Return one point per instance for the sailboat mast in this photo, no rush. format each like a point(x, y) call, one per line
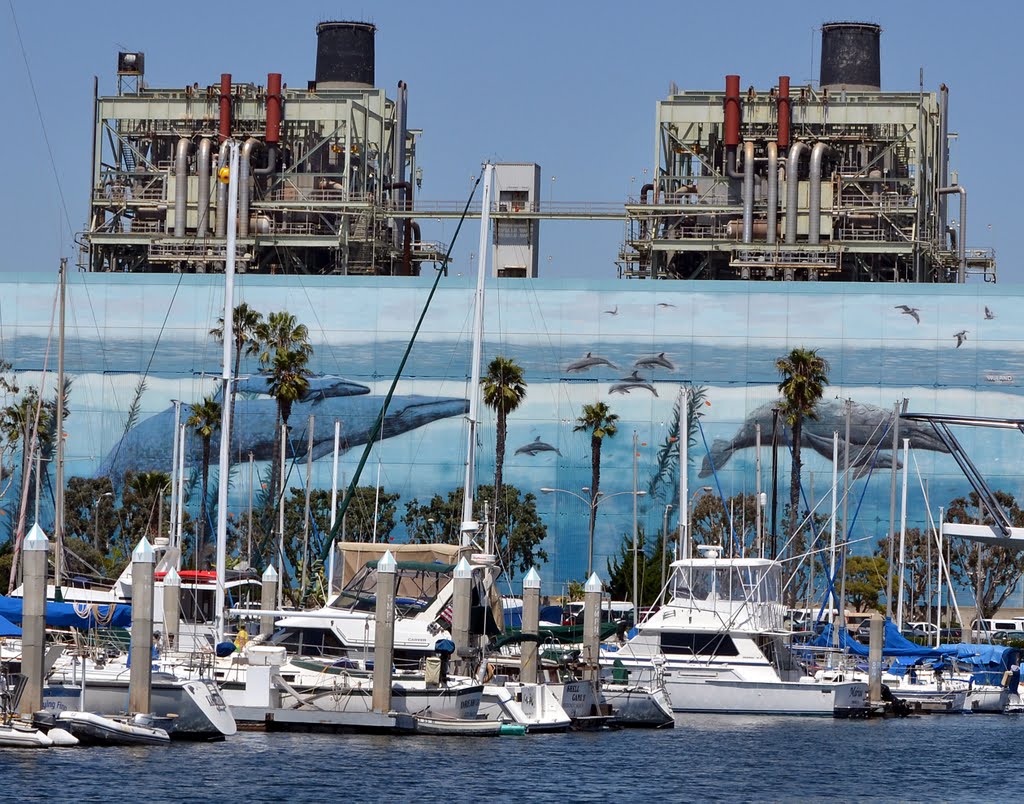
point(225, 397)
point(468, 525)
point(58, 500)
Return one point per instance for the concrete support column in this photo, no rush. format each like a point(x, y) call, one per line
point(268, 598)
point(463, 581)
point(140, 678)
point(530, 667)
point(33, 620)
point(384, 633)
point(876, 639)
point(592, 630)
point(172, 608)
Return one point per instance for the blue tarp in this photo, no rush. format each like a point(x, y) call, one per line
point(73, 615)
point(7, 628)
point(548, 614)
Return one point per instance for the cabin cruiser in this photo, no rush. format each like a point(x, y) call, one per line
point(720, 645)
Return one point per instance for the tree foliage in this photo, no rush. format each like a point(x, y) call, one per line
point(517, 540)
point(992, 569)
point(865, 582)
point(649, 570)
point(504, 390)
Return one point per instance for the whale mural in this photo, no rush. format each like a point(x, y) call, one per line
point(147, 446)
point(868, 436)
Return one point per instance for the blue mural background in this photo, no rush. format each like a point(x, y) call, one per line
point(725, 336)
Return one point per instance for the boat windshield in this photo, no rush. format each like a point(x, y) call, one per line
point(747, 592)
point(419, 582)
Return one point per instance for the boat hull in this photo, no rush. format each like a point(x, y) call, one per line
point(92, 729)
point(736, 696)
point(196, 706)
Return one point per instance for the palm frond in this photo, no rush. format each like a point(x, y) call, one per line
point(135, 409)
point(663, 483)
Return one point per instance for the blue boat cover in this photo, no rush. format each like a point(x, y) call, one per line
point(7, 628)
point(73, 615)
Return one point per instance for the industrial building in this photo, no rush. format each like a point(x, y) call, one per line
point(843, 181)
point(324, 170)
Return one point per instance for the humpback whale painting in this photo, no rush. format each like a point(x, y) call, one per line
point(146, 447)
point(868, 436)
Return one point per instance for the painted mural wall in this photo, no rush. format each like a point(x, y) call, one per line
point(632, 345)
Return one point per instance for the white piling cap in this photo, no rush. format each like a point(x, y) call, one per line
point(463, 570)
point(36, 539)
point(270, 574)
point(532, 579)
point(143, 552)
point(172, 578)
point(387, 563)
point(593, 584)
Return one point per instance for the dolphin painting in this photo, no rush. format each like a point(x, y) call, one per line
point(148, 445)
point(655, 361)
point(588, 361)
point(867, 424)
point(627, 384)
point(536, 446)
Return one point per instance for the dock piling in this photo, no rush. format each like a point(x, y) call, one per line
point(140, 678)
point(384, 633)
point(172, 608)
point(463, 580)
point(592, 630)
point(33, 620)
point(529, 671)
point(268, 600)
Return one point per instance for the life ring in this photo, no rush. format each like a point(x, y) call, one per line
point(488, 674)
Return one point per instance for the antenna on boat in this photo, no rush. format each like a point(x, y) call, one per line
point(469, 526)
point(226, 379)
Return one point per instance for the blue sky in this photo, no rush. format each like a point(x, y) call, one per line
point(569, 85)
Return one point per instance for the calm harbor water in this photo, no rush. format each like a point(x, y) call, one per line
point(967, 758)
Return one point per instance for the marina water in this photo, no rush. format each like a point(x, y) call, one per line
point(705, 758)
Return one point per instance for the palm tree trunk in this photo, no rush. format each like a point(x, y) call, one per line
point(595, 482)
point(499, 472)
point(201, 538)
point(794, 506)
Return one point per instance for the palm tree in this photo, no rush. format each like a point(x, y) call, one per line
point(599, 421)
point(246, 323)
point(804, 377)
point(284, 352)
point(504, 391)
point(205, 420)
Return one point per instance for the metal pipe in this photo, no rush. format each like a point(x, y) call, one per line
point(647, 188)
point(783, 112)
point(814, 223)
point(244, 188)
point(958, 188)
point(748, 192)
point(181, 186)
point(943, 154)
point(773, 193)
point(796, 150)
point(225, 106)
point(222, 192)
point(732, 111)
point(273, 108)
point(203, 172)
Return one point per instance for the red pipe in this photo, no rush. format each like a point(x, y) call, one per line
point(273, 108)
point(732, 110)
point(784, 113)
point(225, 106)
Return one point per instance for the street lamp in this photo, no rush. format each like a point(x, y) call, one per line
point(591, 501)
point(688, 547)
point(96, 518)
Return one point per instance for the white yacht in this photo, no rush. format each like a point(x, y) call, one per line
point(720, 645)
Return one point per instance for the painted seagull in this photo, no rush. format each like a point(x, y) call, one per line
point(536, 446)
point(960, 336)
point(613, 311)
point(911, 311)
point(665, 304)
point(989, 315)
point(588, 361)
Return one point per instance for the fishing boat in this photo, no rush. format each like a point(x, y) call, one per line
point(720, 645)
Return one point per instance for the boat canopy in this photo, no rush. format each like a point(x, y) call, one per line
point(73, 615)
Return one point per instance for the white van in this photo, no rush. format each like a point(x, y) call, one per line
point(612, 611)
point(989, 625)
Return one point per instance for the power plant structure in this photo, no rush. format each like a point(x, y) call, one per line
point(327, 173)
point(842, 181)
